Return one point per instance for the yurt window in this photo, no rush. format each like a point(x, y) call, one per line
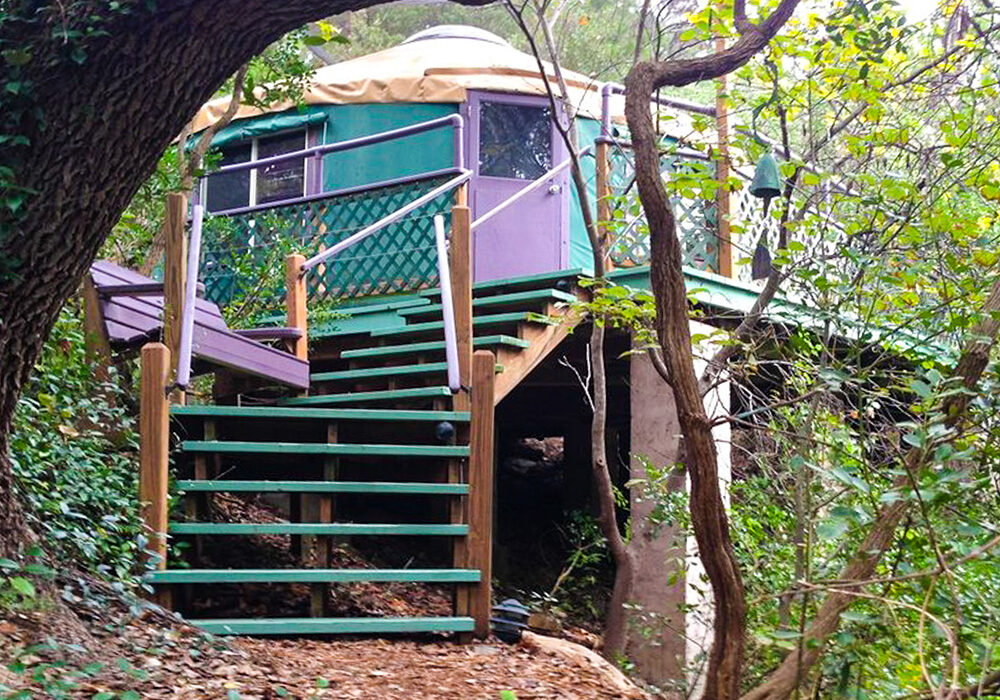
point(271, 183)
point(515, 140)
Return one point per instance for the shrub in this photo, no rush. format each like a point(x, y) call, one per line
point(75, 458)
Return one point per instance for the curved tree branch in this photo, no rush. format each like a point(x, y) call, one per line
point(708, 513)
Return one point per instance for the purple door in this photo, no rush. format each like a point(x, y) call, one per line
point(512, 143)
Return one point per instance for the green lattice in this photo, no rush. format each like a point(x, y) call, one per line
point(400, 258)
point(695, 218)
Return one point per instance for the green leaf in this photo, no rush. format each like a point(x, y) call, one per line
point(23, 586)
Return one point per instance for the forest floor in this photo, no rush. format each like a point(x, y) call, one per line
point(95, 644)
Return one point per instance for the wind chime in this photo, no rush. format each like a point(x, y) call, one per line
point(766, 183)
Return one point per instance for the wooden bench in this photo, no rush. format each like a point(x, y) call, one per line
point(131, 310)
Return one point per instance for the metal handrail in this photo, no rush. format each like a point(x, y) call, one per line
point(447, 307)
point(385, 221)
point(342, 192)
point(537, 184)
point(455, 120)
point(190, 299)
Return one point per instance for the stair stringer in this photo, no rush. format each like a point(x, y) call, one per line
point(518, 364)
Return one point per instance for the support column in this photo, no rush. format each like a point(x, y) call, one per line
point(154, 447)
point(481, 457)
point(723, 207)
point(603, 189)
point(174, 280)
point(460, 252)
point(296, 304)
point(674, 606)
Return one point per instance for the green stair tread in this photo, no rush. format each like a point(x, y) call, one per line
point(323, 448)
point(342, 625)
point(314, 575)
point(528, 297)
point(477, 322)
point(264, 486)
point(360, 396)
point(364, 414)
point(433, 346)
point(391, 371)
point(377, 305)
point(510, 283)
point(336, 529)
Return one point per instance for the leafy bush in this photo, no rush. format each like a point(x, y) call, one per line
point(75, 457)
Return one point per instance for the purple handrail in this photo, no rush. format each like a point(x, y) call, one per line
point(342, 192)
point(525, 190)
point(190, 294)
point(447, 307)
point(455, 120)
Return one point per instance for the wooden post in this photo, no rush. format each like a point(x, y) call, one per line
point(154, 447)
point(480, 540)
point(95, 338)
point(295, 303)
point(604, 202)
point(461, 288)
point(324, 543)
point(174, 279)
point(723, 210)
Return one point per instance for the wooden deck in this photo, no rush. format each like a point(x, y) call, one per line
point(133, 316)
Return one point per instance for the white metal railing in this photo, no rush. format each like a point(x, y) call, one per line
point(190, 298)
point(447, 307)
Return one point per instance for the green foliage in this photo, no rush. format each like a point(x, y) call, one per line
point(18, 580)
point(74, 454)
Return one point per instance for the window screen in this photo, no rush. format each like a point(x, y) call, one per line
point(515, 141)
point(230, 190)
point(282, 180)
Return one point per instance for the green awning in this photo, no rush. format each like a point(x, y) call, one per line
point(284, 121)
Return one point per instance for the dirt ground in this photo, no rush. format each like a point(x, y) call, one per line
point(96, 644)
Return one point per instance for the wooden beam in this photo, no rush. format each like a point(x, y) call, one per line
point(543, 339)
point(604, 201)
point(461, 288)
point(723, 205)
point(296, 304)
point(154, 448)
point(174, 279)
point(480, 538)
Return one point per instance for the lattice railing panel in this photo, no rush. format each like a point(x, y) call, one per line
point(695, 218)
point(243, 254)
point(748, 223)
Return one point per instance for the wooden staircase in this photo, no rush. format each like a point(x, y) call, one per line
point(378, 448)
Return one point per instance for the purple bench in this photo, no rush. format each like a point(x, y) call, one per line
point(131, 308)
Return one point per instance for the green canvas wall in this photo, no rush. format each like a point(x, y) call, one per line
point(411, 155)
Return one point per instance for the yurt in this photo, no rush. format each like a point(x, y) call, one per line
point(508, 140)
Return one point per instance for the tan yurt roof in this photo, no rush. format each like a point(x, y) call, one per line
point(440, 64)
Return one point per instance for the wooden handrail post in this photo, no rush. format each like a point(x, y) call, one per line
point(480, 541)
point(95, 338)
point(296, 304)
point(174, 279)
point(602, 153)
point(154, 447)
point(460, 252)
point(723, 206)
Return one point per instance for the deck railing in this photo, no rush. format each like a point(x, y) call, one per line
point(325, 226)
point(716, 232)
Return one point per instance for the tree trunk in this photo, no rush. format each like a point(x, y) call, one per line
point(95, 131)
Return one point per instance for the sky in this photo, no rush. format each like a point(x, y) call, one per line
point(917, 10)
